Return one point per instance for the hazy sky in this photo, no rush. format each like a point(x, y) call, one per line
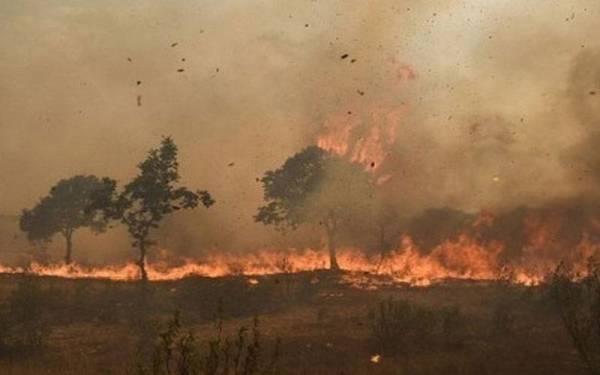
point(492, 119)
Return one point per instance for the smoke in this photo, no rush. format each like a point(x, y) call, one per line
point(499, 114)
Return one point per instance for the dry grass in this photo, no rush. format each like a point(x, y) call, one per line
point(324, 327)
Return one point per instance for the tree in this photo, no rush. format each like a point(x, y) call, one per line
point(149, 197)
point(314, 187)
point(63, 211)
point(383, 215)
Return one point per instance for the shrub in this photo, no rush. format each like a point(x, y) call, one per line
point(503, 318)
point(178, 353)
point(24, 329)
point(453, 326)
point(578, 304)
point(401, 326)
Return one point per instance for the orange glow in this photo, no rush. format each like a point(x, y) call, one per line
point(367, 141)
point(366, 137)
point(536, 242)
point(464, 257)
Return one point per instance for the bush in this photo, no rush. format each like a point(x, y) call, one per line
point(177, 353)
point(401, 326)
point(503, 318)
point(453, 326)
point(578, 304)
point(24, 329)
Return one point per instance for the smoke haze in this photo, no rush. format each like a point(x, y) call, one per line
point(501, 97)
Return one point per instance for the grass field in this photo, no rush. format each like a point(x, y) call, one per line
point(105, 327)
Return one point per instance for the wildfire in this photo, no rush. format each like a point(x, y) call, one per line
point(521, 246)
point(365, 142)
point(465, 257)
point(366, 137)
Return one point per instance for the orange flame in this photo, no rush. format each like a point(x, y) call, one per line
point(462, 258)
point(367, 140)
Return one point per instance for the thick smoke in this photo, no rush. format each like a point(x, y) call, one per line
point(501, 111)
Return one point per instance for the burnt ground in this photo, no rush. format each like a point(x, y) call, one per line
point(104, 327)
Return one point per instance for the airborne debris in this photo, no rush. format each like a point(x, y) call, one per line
point(174, 44)
point(352, 61)
point(361, 93)
point(180, 70)
point(345, 55)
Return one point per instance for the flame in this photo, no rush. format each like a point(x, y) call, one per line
point(367, 139)
point(367, 142)
point(336, 135)
point(545, 237)
point(372, 149)
point(465, 257)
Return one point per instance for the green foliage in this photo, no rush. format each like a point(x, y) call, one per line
point(312, 186)
point(64, 210)
point(578, 304)
point(178, 353)
point(287, 188)
point(399, 326)
point(149, 197)
point(315, 187)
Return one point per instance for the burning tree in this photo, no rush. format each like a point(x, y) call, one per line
point(314, 187)
point(149, 197)
point(64, 210)
point(383, 216)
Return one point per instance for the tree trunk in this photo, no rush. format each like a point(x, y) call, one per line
point(142, 261)
point(69, 239)
point(382, 246)
point(333, 264)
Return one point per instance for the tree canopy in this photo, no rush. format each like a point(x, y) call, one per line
point(64, 210)
point(149, 197)
point(315, 187)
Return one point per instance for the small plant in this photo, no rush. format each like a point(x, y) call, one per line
point(322, 314)
point(178, 353)
point(401, 326)
point(578, 304)
point(503, 319)
point(24, 330)
point(453, 326)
